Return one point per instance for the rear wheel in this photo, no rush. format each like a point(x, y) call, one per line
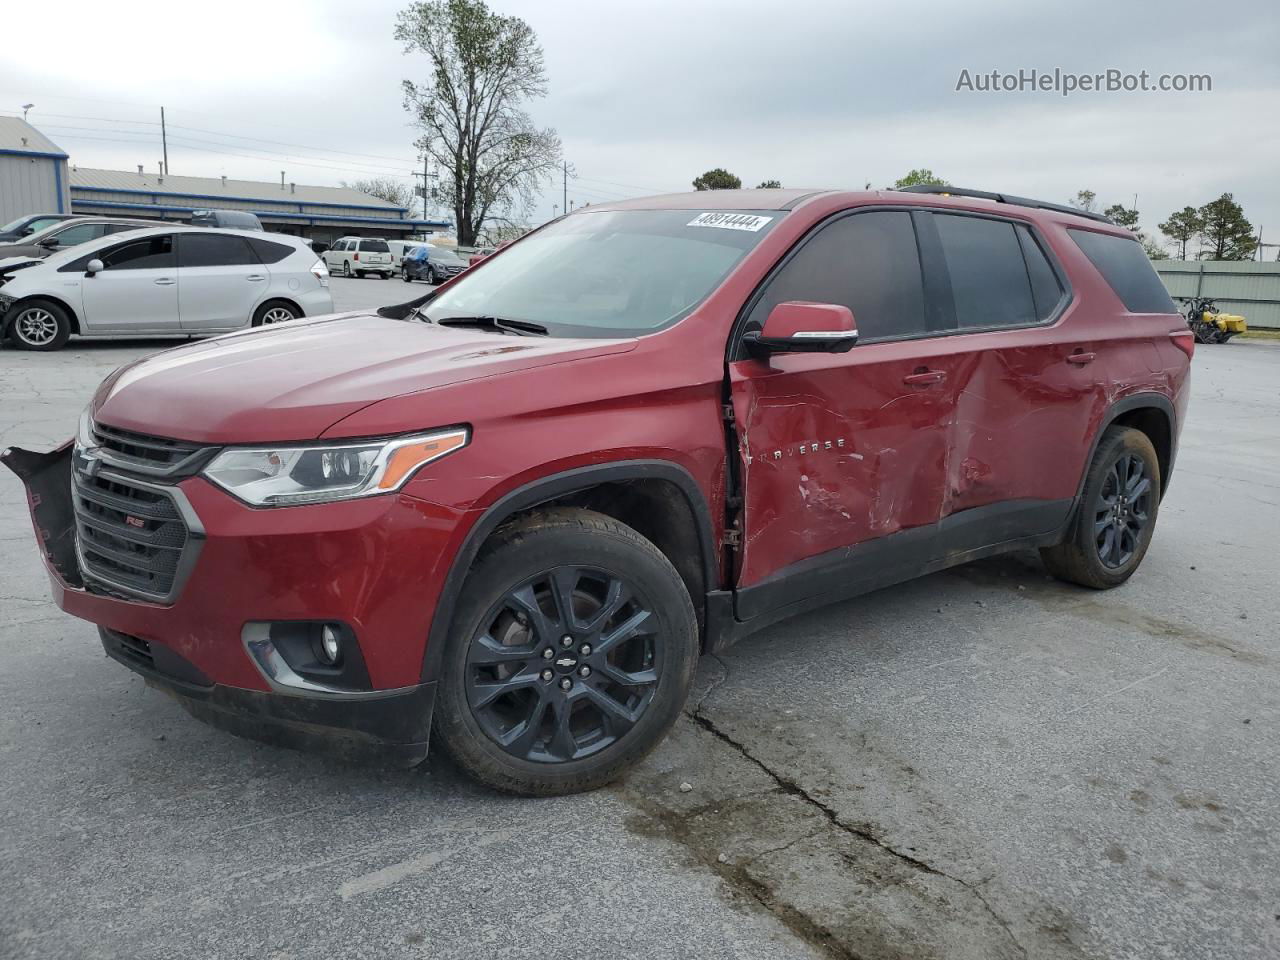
point(275, 311)
point(1116, 517)
point(40, 325)
point(573, 650)
point(346, 268)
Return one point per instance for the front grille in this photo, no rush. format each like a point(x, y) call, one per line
point(132, 538)
point(139, 449)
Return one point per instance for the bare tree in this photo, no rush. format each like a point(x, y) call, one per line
point(384, 188)
point(483, 66)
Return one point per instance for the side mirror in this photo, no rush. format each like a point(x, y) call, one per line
point(796, 327)
point(92, 267)
point(49, 243)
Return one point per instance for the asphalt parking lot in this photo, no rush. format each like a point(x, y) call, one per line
point(981, 764)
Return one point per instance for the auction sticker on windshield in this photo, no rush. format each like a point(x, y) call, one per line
point(729, 221)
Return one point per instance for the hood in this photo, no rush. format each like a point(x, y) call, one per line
point(292, 382)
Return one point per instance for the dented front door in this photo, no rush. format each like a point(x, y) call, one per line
point(837, 450)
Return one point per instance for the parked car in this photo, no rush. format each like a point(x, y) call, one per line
point(512, 513)
point(401, 249)
point(162, 280)
point(23, 226)
point(68, 233)
point(432, 264)
point(359, 257)
point(227, 219)
point(479, 254)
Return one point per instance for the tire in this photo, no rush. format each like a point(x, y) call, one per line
point(644, 627)
point(273, 311)
point(346, 269)
point(404, 275)
point(1116, 516)
point(40, 325)
point(431, 276)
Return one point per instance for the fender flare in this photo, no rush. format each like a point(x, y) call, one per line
point(543, 490)
point(1135, 401)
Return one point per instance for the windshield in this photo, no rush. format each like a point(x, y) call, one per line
point(13, 225)
point(608, 274)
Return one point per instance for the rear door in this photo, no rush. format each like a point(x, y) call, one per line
point(220, 281)
point(333, 256)
point(1026, 383)
point(136, 291)
point(374, 255)
point(843, 456)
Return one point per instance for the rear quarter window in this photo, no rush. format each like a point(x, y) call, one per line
point(269, 251)
point(1124, 265)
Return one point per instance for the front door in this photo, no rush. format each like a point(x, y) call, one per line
point(843, 456)
point(136, 291)
point(220, 281)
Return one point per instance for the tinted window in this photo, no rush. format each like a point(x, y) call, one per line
point(153, 253)
point(1124, 265)
point(39, 223)
point(989, 279)
point(79, 234)
point(374, 246)
point(270, 252)
point(213, 250)
point(1046, 288)
point(867, 262)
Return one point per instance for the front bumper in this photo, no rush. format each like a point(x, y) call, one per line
point(375, 564)
point(391, 728)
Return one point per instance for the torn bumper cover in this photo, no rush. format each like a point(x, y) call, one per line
point(386, 726)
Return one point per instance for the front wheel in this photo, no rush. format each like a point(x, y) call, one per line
point(1116, 516)
point(572, 653)
point(40, 325)
point(404, 275)
point(346, 268)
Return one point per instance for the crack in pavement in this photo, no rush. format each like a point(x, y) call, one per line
point(792, 788)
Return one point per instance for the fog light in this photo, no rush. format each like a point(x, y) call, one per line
point(330, 645)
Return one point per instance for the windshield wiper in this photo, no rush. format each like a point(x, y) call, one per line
point(522, 328)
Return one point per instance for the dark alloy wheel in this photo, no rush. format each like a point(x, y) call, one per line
point(1112, 527)
point(1122, 509)
point(571, 654)
point(564, 665)
point(431, 276)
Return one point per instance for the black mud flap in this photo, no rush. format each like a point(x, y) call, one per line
point(47, 477)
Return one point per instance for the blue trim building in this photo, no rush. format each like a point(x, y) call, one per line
point(33, 172)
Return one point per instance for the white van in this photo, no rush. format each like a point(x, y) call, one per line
point(401, 249)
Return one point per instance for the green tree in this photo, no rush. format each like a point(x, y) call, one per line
point(1223, 227)
point(1085, 200)
point(1182, 226)
point(917, 177)
point(1153, 249)
point(769, 185)
point(717, 179)
point(384, 188)
point(1121, 216)
point(482, 66)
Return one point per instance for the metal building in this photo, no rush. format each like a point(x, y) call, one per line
point(318, 213)
point(1238, 286)
point(33, 172)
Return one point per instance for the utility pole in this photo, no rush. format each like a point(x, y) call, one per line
point(426, 182)
point(567, 171)
point(164, 140)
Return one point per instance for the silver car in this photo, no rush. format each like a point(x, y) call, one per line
point(161, 281)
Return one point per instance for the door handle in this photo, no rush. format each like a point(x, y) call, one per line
point(165, 282)
point(255, 276)
point(922, 378)
point(1081, 357)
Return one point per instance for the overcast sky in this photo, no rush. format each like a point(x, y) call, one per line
point(646, 95)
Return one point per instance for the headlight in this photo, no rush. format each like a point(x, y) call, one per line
point(280, 476)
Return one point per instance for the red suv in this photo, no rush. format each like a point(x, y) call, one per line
point(513, 513)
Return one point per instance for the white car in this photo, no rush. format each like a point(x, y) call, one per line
point(162, 281)
point(359, 256)
point(401, 249)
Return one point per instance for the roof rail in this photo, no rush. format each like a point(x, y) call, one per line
point(1005, 198)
